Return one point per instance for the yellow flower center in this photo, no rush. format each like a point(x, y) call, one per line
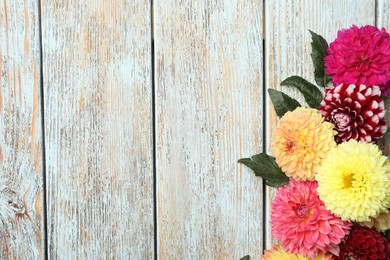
point(353, 180)
point(347, 180)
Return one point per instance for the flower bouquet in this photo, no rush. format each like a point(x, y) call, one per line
point(333, 181)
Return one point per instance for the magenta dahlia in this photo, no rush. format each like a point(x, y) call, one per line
point(301, 222)
point(363, 243)
point(360, 56)
point(357, 112)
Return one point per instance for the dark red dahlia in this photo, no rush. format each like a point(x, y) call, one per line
point(357, 112)
point(364, 243)
point(360, 56)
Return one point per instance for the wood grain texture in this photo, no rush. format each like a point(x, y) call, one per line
point(383, 20)
point(98, 129)
point(209, 114)
point(20, 132)
point(287, 48)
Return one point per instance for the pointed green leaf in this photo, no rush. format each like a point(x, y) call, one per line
point(247, 257)
point(266, 167)
point(318, 53)
point(282, 103)
point(311, 93)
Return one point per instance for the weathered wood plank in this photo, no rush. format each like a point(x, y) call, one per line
point(20, 132)
point(98, 128)
point(209, 114)
point(288, 46)
point(383, 20)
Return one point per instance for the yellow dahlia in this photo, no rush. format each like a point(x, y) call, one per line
point(277, 253)
point(302, 139)
point(354, 181)
point(380, 223)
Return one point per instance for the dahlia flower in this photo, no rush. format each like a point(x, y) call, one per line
point(360, 56)
point(277, 253)
point(364, 243)
point(380, 223)
point(302, 224)
point(302, 139)
point(354, 181)
point(356, 112)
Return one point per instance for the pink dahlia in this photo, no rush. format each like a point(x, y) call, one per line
point(360, 56)
point(356, 112)
point(364, 243)
point(301, 222)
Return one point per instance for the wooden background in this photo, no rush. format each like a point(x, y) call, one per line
point(121, 121)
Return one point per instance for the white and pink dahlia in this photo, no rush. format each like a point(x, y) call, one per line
point(301, 222)
point(357, 112)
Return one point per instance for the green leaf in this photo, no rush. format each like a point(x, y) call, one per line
point(247, 257)
point(312, 94)
point(318, 53)
point(266, 167)
point(282, 103)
